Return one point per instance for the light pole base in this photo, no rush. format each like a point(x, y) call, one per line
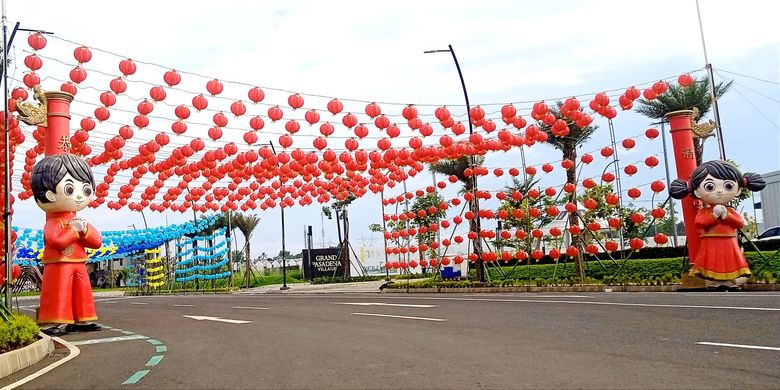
point(284, 288)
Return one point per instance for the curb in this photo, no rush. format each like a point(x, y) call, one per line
point(72, 353)
point(19, 359)
point(571, 289)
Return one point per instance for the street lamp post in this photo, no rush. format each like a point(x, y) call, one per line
point(477, 243)
point(284, 255)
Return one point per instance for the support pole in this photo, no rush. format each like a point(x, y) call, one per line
point(668, 184)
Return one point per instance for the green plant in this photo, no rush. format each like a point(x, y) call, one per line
point(19, 332)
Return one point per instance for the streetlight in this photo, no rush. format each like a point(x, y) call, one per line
point(477, 243)
point(284, 255)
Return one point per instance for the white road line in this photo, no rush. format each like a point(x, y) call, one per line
point(403, 317)
point(73, 351)
point(249, 308)
point(110, 339)
point(217, 319)
point(732, 295)
point(138, 303)
point(109, 302)
point(738, 346)
point(384, 304)
point(605, 303)
point(179, 305)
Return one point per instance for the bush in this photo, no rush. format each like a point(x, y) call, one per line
point(19, 332)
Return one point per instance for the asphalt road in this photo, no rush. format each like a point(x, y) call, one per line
point(601, 340)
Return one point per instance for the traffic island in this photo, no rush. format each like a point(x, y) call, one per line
point(19, 359)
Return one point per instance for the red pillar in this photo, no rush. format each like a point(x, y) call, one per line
point(57, 133)
point(685, 162)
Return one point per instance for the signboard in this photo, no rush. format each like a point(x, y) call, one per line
point(322, 262)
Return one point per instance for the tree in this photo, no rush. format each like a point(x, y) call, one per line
point(246, 224)
point(522, 219)
point(696, 97)
point(457, 167)
point(425, 204)
point(567, 143)
point(604, 211)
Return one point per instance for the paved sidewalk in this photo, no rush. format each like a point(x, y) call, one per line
point(308, 288)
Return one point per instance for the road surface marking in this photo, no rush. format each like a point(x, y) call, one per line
point(109, 340)
point(73, 351)
point(138, 303)
point(136, 377)
point(109, 302)
point(604, 303)
point(739, 346)
point(217, 319)
point(249, 307)
point(383, 304)
point(731, 294)
point(160, 348)
point(155, 360)
point(403, 317)
point(178, 305)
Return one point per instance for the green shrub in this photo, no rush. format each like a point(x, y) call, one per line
point(17, 333)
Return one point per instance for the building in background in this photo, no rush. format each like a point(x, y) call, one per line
point(770, 201)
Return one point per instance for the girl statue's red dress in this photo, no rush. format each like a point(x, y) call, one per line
point(719, 256)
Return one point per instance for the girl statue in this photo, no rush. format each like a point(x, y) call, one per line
point(716, 183)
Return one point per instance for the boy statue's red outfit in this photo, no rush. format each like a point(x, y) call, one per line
point(66, 294)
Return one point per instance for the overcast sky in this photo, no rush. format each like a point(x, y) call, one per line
point(513, 51)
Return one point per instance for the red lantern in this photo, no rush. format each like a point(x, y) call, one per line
point(658, 213)
point(607, 151)
point(637, 218)
point(572, 251)
point(250, 137)
point(256, 95)
point(508, 111)
point(215, 133)
point(127, 67)
point(141, 121)
point(660, 87)
point(649, 94)
point(31, 80)
point(382, 122)
point(200, 102)
point(275, 113)
point(592, 249)
point(657, 186)
point(349, 120)
point(172, 77)
point(634, 193)
point(295, 101)
point(102, 114)
point(588, 183)
point(636, 243)
point(157, 93)
point(33, 62)
point(630, 169)
point(238, 108)
point(78, 74)
point(285, 140)
point(547, 168)
point(611, 246)
point(118, 85)
point(567, 164)
point(608, 177)
point(108, 99)
point(685, 80)
point(373, 110)
point(36, 41)
point(590, 204)
point(661, 239)
point(652, 133)
point(651, 161)
point(214, 87)
point(611, 199)
point(628, 143)
point(586, 158)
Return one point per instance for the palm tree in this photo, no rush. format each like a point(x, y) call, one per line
point(568, 146)
point(457, 167)
point(246, 224)
point(696, 97)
